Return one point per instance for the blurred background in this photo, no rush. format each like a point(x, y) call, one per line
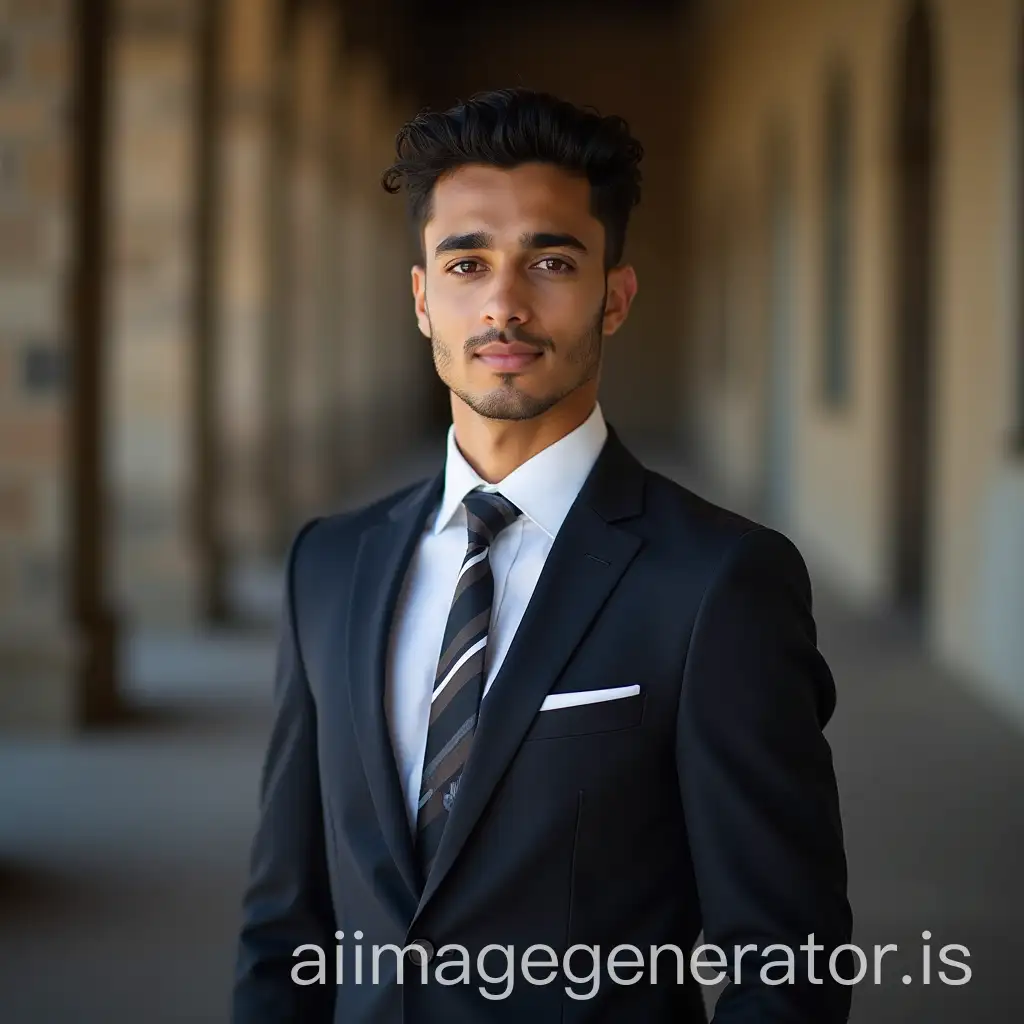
point(206, 336)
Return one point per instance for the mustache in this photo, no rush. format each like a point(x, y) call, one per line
point(509, 334)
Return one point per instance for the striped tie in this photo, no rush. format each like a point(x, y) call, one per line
point(459, 681)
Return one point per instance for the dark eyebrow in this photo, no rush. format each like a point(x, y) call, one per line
point(460, 243)
point(551, 240)
point(531, 240)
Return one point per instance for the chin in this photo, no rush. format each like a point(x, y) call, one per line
point(508, 404)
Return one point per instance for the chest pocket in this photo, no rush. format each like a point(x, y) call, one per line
point(581, 719)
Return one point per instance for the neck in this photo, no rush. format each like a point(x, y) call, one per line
point(494, 448)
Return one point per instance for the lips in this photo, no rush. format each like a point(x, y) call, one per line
point(510, 348)
point(508, 356)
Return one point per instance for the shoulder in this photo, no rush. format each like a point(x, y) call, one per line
point(751, 601)
point(677, 516)
point(327, 543)
point(721, 542)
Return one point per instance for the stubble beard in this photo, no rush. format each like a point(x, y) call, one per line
point(507, 401)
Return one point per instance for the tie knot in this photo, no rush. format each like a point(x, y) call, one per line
point(488, 513)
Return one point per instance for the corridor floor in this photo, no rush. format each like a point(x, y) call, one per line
point(123, 853)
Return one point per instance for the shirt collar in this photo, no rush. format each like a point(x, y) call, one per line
point(543, 488)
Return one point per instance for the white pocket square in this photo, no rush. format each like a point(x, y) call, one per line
point(553, 701)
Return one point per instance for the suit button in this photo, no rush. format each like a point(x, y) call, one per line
point(421, 951)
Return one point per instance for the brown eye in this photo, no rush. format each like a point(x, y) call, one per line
point(555, 265)
point(463, 268)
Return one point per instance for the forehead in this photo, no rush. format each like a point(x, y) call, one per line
point(531, 196)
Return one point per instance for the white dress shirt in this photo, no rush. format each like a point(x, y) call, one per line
point(543, 488)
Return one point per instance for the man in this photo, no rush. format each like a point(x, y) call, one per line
point(547, 702)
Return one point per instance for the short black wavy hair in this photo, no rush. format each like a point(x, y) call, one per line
point(509, 127)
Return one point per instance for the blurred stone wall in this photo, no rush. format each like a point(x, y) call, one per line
point(35, 340)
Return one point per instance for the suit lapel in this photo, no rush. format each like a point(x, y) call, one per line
point(384, 554)
point(587, 560)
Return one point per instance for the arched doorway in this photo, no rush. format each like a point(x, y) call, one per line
point(913, 342)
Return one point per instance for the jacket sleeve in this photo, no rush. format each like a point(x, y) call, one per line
point(759, 790)
point(287, 901)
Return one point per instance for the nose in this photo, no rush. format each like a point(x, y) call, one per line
point(505, 304)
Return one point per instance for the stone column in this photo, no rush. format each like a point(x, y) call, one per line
point(385, 361)
point(404, 360)
point(57, 636)
point(274, 476)
point(250, 42)
point(310, 380)
point(154, 371)
point(207, 441)
point(357, 284)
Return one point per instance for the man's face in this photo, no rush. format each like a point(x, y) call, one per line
point(513, 293)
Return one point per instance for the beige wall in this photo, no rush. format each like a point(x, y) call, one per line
point(767, 63)
point(762, 60)
point(980, 490)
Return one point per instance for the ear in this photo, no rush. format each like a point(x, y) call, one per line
point(419, 294)
point(622, 286)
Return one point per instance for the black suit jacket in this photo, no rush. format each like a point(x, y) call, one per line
point(708, 801)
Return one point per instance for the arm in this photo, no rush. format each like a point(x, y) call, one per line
point(287, 901)
point(758, 787)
